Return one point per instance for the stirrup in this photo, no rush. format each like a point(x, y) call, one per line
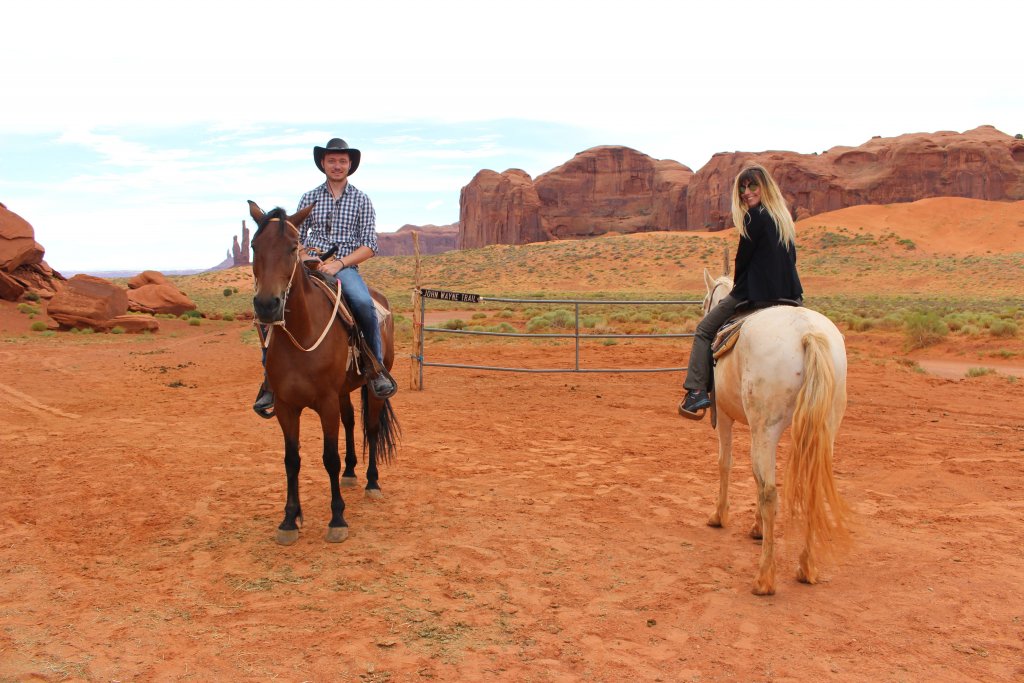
point(260, 407)
point(695, 415)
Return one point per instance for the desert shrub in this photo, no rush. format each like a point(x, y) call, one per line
point(970, 330)
point(506, 313)
point(479, 316)
point(38, 326)
point(924, 329)
point(979, 372)
point(117, 330)
point(191, 314)
point(228, 291)
point(454, 324)
point(537, 323)
point(892, 321)
point(1003, 328)
point(28, 309)
point(590, 321)
point(855, 323)
point(229, 317)
point(194, 322)
point(31, 296)
point(87, 330)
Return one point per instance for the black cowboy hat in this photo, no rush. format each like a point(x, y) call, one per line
point(337, 145)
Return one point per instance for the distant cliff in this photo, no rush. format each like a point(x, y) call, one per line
point(618, 189)
point(434, 239)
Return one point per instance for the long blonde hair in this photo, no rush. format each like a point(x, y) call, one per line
point(771, 199)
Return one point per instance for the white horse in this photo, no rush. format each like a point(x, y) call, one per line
point(788, 367)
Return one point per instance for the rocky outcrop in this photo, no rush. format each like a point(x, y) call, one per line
point(604, 189)
point(152, 292)
point(87, 301)
point(434, 239)
point(22, 268)
point(619, 189)
point(613, 189)
point(500, 208)
point(240, 254)
point(983, 163)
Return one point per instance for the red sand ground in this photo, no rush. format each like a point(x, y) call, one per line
point(535, 527)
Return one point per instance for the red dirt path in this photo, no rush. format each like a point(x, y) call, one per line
point(534, 527)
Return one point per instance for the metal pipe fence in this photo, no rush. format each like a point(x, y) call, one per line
point(422, 362)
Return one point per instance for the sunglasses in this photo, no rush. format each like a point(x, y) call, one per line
point(747, 186)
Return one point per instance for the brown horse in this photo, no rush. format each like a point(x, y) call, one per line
point(310, 366)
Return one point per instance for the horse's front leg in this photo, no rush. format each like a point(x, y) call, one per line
point(348, 420)
point(337, 530)
point(288, 418)
point(763, 443)
point(720, 517)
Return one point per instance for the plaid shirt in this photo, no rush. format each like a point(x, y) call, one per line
point(350, 222)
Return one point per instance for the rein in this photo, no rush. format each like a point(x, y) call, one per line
point(284, 307)
point(711, 296)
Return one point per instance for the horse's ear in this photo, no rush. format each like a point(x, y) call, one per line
point(300, 215)
point(709, 281)
point(256, 212)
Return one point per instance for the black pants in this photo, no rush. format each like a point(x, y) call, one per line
point(698, 374)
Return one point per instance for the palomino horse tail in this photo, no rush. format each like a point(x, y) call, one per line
point(810, 493)
point(388, 430)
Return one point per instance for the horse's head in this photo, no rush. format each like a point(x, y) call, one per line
point(275, 255)
point(717, 289)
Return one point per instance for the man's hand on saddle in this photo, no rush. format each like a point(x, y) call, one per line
point(330, 267)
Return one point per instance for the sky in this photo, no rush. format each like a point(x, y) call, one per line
point(132, 133)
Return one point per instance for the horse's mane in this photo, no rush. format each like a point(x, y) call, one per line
point(277, 213)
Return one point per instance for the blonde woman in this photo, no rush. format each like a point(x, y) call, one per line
point(765, 272)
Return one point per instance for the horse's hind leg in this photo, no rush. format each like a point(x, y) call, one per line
point(720, 517)
point(348, 421)
point(288, 530)
point(763, 442)
point(371, 428)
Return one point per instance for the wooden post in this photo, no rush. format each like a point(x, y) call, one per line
point(417, 320)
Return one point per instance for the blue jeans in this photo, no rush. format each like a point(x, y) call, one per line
point(358, 298)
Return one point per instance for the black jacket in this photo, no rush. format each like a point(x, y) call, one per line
point(765, 269)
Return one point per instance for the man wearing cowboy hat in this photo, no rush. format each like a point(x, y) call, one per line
point(343, 222)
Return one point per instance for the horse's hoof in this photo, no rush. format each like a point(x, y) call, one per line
point(374, 494)
point(348, 482)
point(336, 534)
point(807, 577)
point(762, 589)
point(287, 536)
point(715, 521)
point(755, 533)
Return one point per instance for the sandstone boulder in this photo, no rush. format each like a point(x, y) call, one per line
point(148, 277)
point(159, 298)
point(18, 245)
point(87, 301)
point(134, 324)
point(10, 288)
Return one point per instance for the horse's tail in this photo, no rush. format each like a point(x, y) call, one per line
point(810, 493)
point(388, 430)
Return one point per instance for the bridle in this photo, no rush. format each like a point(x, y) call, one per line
point(284, 305)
